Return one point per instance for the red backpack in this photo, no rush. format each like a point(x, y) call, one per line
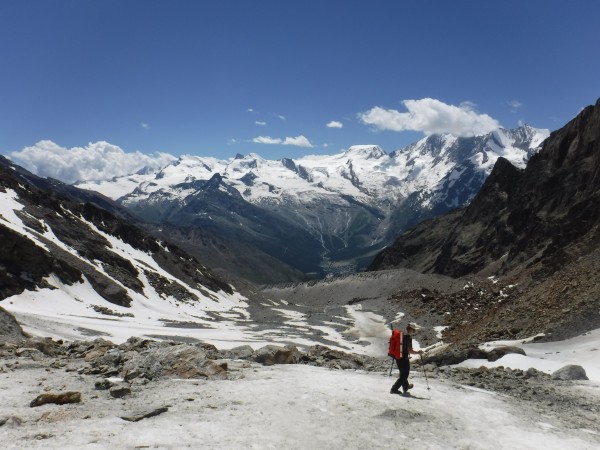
point(395, 349)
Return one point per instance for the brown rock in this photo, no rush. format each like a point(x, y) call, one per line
point(59, 399)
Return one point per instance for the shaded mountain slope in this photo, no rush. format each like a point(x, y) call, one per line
point(51, 240)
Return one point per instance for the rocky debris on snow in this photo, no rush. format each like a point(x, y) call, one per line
point(59, 399)
point(322, 356)
point(570, 372)
point(548, 394)
point(455, 354)
point(180, 361)
point(142, 361)
point(109, 312)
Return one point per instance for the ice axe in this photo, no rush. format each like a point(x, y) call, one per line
point(424, 371)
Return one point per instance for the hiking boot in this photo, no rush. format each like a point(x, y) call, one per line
point(410, 386)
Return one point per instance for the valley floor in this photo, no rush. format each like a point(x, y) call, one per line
point(276, 407)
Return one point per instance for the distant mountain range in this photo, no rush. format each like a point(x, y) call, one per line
point(319, 214)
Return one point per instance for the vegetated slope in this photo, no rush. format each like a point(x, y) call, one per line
point(538, 227)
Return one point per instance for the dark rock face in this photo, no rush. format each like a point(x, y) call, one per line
point(519, 217)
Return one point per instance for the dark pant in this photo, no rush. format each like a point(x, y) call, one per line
point(404, 367)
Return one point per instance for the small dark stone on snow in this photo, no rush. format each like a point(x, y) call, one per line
point(58, 399)
point(144, 415)
point(120, 391)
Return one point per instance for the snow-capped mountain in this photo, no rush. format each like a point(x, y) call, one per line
point(321, 213)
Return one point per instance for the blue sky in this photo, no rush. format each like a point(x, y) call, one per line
point(288, 78)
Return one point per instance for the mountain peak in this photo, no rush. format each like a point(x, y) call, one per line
point(365, 151)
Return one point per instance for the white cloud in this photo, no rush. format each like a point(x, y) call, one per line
point(145, 126)
point(250, 110)
point(281, 117)
point(97, 161)
point(515, 106)
point(260, 123)
point(335, 124)
point(266, 140)
point(431, 116)
point(298, 141)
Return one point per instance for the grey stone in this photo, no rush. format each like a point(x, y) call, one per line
point(570, 372)
point(119, 391)
point(135, 417)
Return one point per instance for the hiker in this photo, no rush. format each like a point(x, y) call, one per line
point(403, 362)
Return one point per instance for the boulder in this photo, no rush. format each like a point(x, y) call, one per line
point(570, 372)
point(271, 354)
point(175, 361)
point(322, 356)
point(119, 391)
point(241, 352)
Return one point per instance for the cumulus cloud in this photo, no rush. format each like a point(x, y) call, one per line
point(335, 124)
point(95, 162)
point(431, 116)
point(298, 141)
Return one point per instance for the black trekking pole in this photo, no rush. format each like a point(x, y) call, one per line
point(424, 371)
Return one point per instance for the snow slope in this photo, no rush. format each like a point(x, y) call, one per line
point(279, 407)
